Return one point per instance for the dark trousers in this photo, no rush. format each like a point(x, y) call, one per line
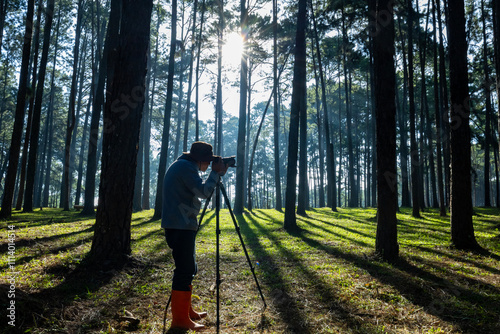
point(182, 243)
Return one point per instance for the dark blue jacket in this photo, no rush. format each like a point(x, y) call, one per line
point(182, 190)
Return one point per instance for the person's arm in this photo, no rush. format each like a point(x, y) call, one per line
point(200, 188)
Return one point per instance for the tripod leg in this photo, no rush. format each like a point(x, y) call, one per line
point(207, 201)
point(217, 259)
point(237, 228)
point(165, 313)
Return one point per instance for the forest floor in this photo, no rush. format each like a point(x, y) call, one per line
point(324, 278)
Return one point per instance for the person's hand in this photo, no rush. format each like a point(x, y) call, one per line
point(219, 167)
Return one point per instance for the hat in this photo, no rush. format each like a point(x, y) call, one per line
point(201, 151)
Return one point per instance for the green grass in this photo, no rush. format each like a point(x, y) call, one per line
point(323, 278)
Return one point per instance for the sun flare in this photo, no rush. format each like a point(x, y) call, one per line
point(232, 49)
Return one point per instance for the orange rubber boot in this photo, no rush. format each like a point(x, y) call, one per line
point(181, 301)
point(192, 313)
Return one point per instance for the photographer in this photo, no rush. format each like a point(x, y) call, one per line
point(182, 190)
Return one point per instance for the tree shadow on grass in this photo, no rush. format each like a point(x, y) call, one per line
point(452, 256)
point(69, 306)
point(283, 294)
point(39, 242)
point(446, 299)
point(44, 217)
point(286, 306)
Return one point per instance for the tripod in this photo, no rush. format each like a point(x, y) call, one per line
point(221, 189)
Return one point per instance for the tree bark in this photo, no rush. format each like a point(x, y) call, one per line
point(298, 106)
point(330, 159)
point(276, 114)
point(50, 119)
point(162, 168)
point(190, 78)
point(426, 121)
point(352, 190)
point(198, 57)
point(106, 68)
point(462, 229)
point(496, 28)
point(437, 111)
point(74, 134)
point(321, 150)
point(414, 154)
point(24, 158)
point(240, 150)
point(71, 121)
point(218, 102)
point(386, 243)
point(444, 108)
point(488, 111)
point(303, 195)
point(122, 114)
point(35, 130)
point(403, 129)
point(15, 146)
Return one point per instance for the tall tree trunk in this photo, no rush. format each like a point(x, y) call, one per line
point(340, 176)
point(254, 147)
point(444, 108)
point(462, 229)
point(106, 69)
point(489, 111)
point(50, 119)
point(71, 112)
point(426, 122)
point(496, 29)
point(81, 73)
point(319, 123)
point(146, 129)
point(401, 114)
point(168, 113)
point(111, 242)
point(303, 198)
point(240, 150)
point(180, 94)
point(352, 191)
point(373, 114)
point(24, 158)
point(386, 242)
point(147, 119)
point(190, 78)
point(437, 111)
point(497, 177)
point(96, 52)
point(414, 154)
point(35, 130)
point(137, 198)
point(17, 131)
point(198, 57)
point(298, 107)
point(82, 154)
point(249, 128)
point(218, 102)
point(276, 114)
point(330, 159)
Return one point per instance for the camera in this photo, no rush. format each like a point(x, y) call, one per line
point(229, 161)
